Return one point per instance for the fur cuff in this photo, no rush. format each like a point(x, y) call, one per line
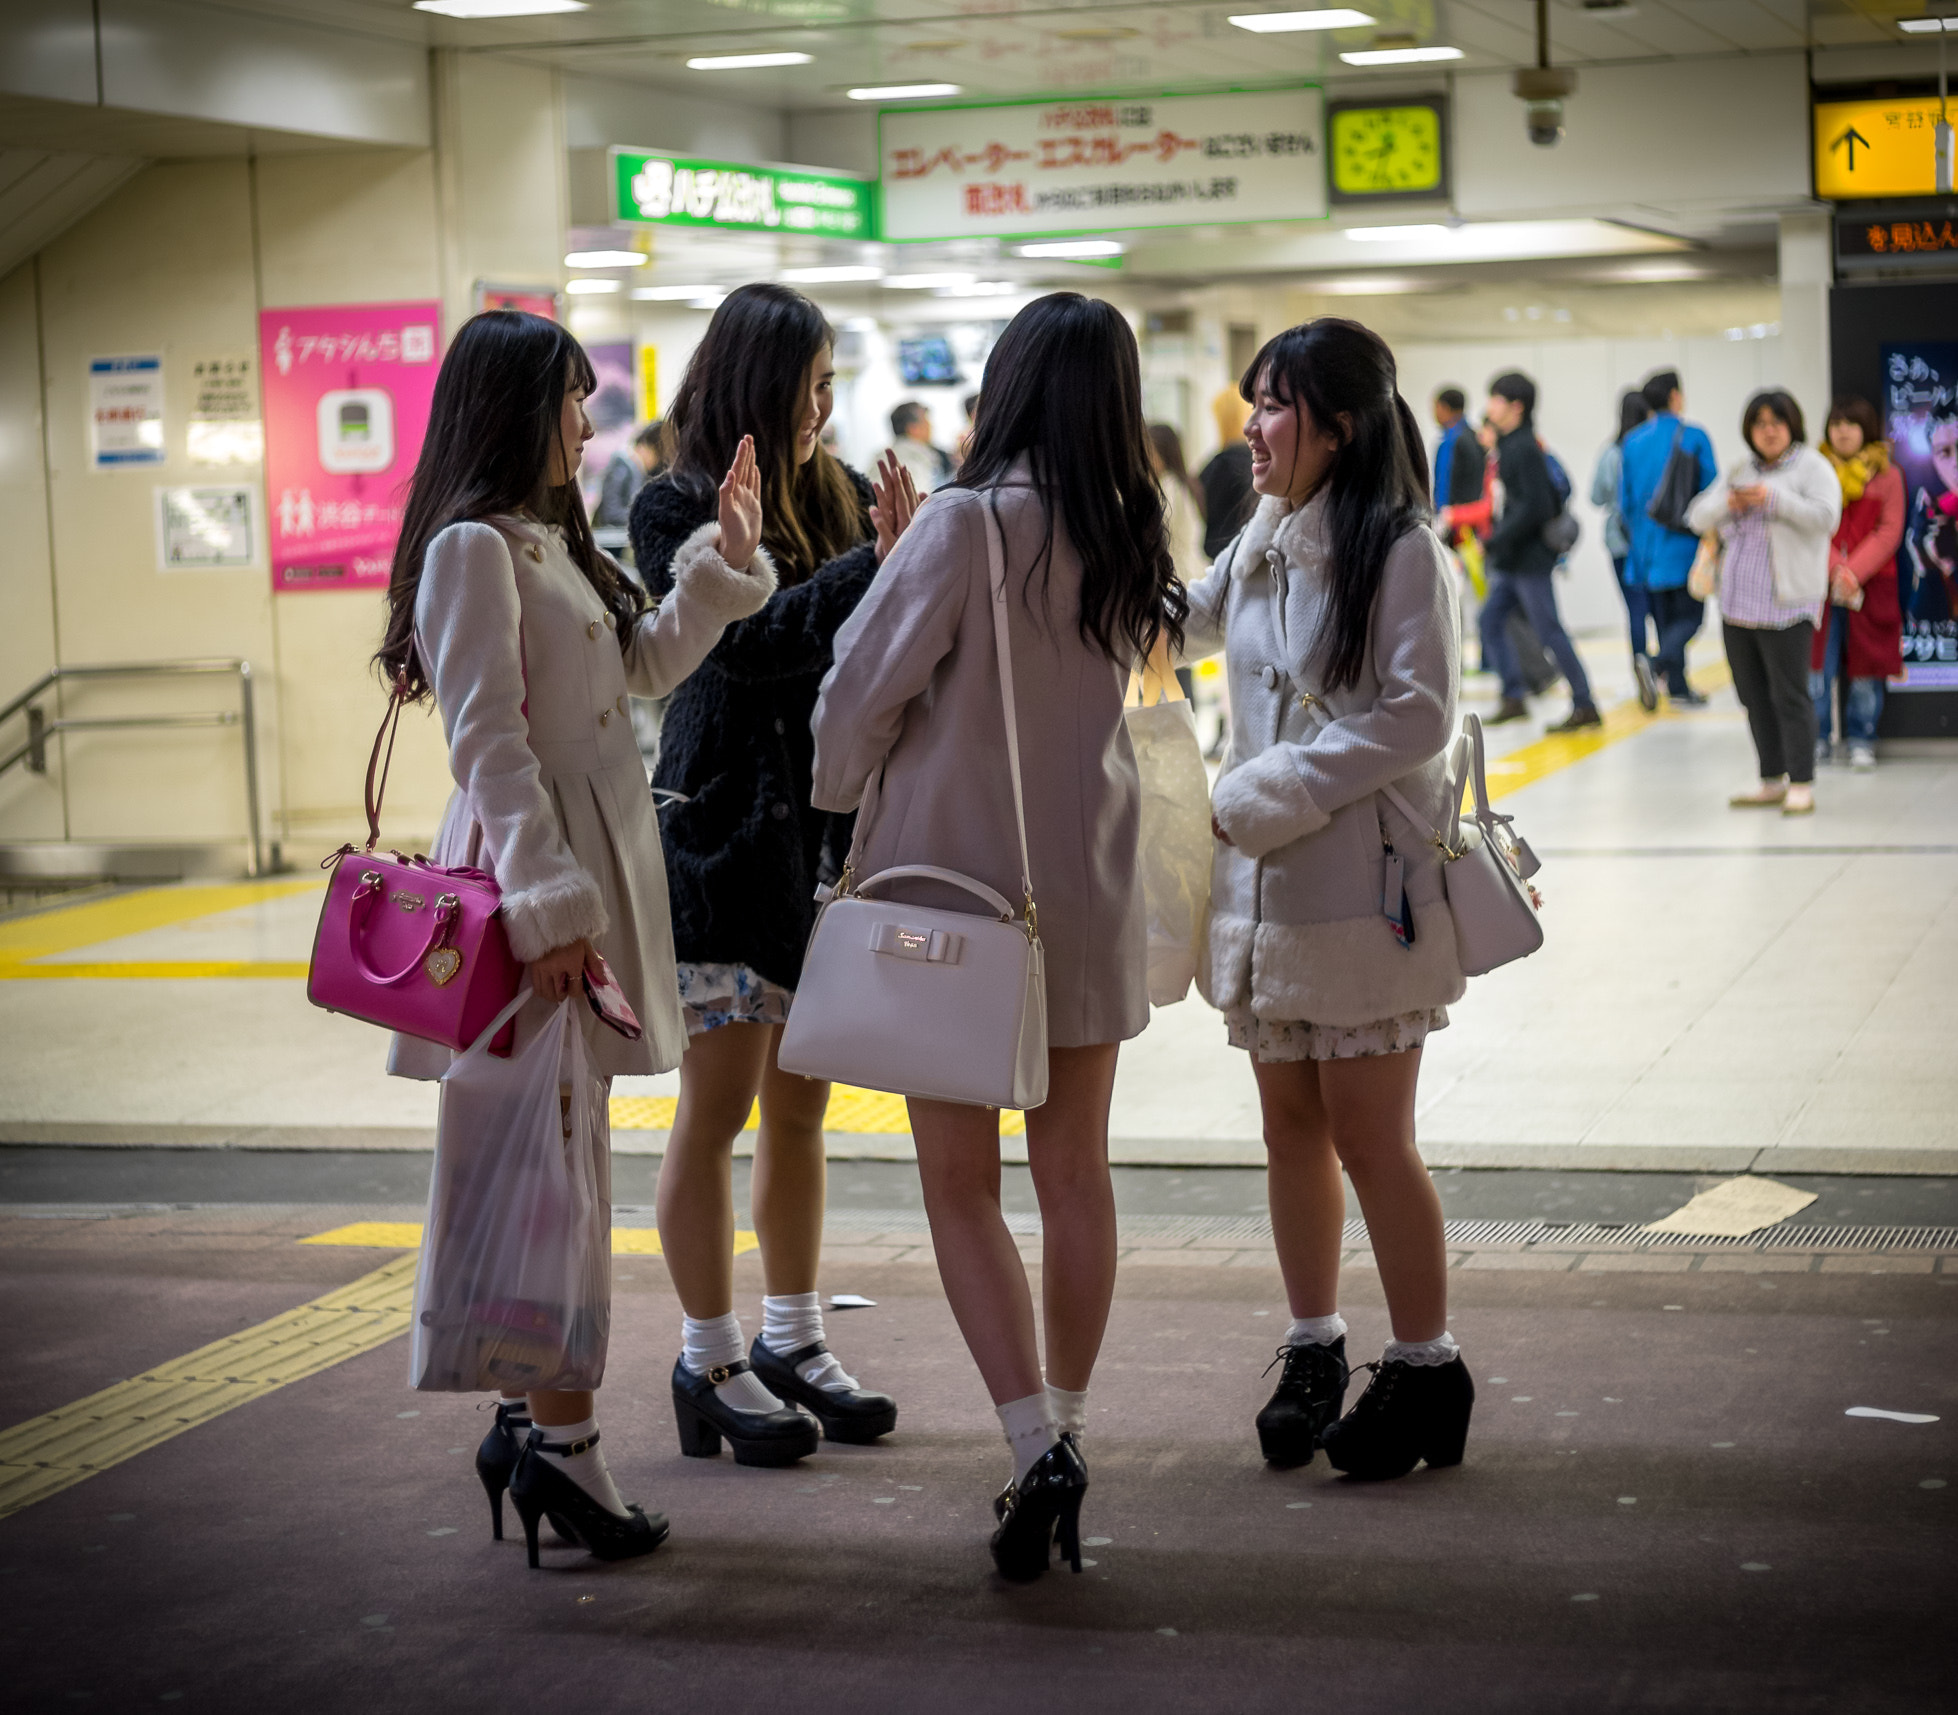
point(553, 914)
point(1263, 804)
point(708, 582)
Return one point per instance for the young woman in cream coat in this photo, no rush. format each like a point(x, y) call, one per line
point(530, 639)
point(1331, 949)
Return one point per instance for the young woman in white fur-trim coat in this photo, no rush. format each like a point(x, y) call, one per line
point(529, 639)
point(1331, 951)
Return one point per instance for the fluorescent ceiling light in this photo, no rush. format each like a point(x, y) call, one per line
point(1326, 18)
point(606, 259)
point(1079, 249)
point(498, 8)
point(670, 294)
point(578, 288)
point(1928, 26)
point(834, 276)
point(1367, 286)
point(1400, 56)
point(928, 282)
point(1393, 234)
point(903, 91)
point(746, 62)
point(979, 289)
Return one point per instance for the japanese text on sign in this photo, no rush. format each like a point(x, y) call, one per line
point(667, 190)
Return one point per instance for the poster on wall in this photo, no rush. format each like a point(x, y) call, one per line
point(206, 528)
point(614, 416)
point(125, 411)
point(347, 391)
point(1101, 166)
point(1921, 419)
point(225, 427)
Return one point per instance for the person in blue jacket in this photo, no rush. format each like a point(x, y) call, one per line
point(1661, 557)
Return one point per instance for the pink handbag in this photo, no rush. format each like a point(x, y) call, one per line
point(407, 944)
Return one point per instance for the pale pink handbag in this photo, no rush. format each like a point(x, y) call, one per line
point(407, 944)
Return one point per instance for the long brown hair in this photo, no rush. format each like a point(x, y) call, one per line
point(499, 399)
point(746, 377)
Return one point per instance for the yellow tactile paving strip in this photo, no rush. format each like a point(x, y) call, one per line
point(27, 940)
point(407, 1235)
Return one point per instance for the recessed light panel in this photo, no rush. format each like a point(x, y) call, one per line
point(746, 62)
point(1284, 23)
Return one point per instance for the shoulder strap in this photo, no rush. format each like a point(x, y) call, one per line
point(376, 789)
point(1315, 709)
point(996, 565)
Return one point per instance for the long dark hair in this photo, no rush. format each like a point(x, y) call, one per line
point(1342, 376)
point(746, 378)
point(1063, 387)
point(1632, 411)
point(499, 399)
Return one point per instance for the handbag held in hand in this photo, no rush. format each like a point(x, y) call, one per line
point(408, 944)
point(1175, 849)
point(945, 1005)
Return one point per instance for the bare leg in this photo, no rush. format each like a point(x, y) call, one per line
point(1308, 1198)
point(719, 1076)
point(1067, 1150)
point(788, 1188)
point(548, 1410)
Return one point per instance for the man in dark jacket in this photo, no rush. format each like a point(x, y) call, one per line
point(1521, 561)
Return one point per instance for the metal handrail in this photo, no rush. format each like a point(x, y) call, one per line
point(40, 728)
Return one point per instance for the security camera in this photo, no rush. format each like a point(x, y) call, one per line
point(1542, 90)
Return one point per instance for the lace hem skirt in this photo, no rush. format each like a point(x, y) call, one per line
point(1280, 1039)
point(714, 995)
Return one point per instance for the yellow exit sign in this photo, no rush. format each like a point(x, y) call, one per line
point(1876, 148)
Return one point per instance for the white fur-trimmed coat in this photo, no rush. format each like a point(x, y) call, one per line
point(551, 795)
point(1296, 930)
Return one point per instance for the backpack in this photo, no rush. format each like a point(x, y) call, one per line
point(1561, 533)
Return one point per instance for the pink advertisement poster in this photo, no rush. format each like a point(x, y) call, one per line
point(347, 391)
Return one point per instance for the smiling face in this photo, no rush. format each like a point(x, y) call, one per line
point(573, 430)
point(1290, 453)
point(818, 401)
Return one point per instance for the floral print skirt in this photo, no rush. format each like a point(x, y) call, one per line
point(714, 995)
point(1277, 1039)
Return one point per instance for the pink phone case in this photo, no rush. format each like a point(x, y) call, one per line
point(609, 1002)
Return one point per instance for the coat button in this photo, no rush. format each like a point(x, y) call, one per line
point(535, 552)
point(779, 811)
point(1272, 556)
point(620, 705)
point(1270, 677)
point(604, 715)
point(611, 620)
point(592, 629)
point(781, 725)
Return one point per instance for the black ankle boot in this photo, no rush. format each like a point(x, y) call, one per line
point(497, 1457)
point(538, 1487)
point(1306, 1404)
point(1409, 1413)
point(1043, 1506)
point(758, 1437)
point(850, 1414)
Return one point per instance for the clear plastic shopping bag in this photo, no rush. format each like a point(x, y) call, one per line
point(514, 1291)
point(1176, 843)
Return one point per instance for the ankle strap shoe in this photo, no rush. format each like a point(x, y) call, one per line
point(846, 1414)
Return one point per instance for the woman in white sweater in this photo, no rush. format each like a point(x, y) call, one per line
point(529, 638)
point(1331, 948)
point(1775, 512)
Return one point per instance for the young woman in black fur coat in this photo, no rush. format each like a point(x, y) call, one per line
point(744, 854)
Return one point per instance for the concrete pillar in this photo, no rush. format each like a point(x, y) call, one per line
point(1807, 269)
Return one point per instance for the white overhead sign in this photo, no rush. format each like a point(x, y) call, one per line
point(1102, 166)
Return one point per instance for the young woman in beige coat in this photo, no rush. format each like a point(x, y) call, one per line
point(530, 639)
point(1331, 949)
point(1059, 460)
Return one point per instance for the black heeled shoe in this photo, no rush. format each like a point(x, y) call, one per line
point(497, 1457)
point(854, 1414)
point(538, 1487)
point(1306, 1403)
point(1043, 1508)
point(757, 1437)
point(1410, 1413)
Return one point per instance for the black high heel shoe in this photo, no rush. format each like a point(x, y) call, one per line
point(1306, 1403)
point(538, 1487)
point(757, 1437)
point(1040, 1509)
point(1408, 1414)
point(852, 1414)
point(497, 1457)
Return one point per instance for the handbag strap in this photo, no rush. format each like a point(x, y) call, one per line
point(376, 790)
point(1154, 680)
point(1315, 709)
point(996, 566)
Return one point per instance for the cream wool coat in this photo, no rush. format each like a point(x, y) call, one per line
point(1296, 930)
point(915, 691)
point(551, 795)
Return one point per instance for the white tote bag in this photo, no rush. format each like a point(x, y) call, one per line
point(949, 1005)
point(1176, 849)
point(514, 1290)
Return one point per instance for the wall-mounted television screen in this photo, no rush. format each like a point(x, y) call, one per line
point(927, 362)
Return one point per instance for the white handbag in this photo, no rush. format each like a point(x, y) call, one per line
point(1175, 847)
point(948, 1005)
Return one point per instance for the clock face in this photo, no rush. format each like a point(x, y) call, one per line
point(1386, 151)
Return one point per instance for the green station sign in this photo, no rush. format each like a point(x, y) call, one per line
point(672, 190)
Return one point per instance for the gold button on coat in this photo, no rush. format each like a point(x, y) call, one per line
point(604, 715)
point(592, 629)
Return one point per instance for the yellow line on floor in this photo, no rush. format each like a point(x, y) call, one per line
point(871, 1113)
point(154, 970)
point(47, 1454)
point(407, 1235)
point(73, 926)
point(1554, 752)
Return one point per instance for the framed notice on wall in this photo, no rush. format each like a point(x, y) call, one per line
point(125, 411)
point(200, 529)
point(1027, 168)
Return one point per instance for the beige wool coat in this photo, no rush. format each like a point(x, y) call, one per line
point(551, 795)
point(915, 691)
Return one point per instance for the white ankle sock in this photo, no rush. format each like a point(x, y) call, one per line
point(717, 1340)
point(1422, 1353)
point(1030, 1429)
point(586, 1469)
point(795, 1320)
point(1316, 1330)
point(1070, 1409)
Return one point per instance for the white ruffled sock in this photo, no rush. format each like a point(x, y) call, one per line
point(1030, 1429)
point(1070, 1410)
point(1422, 1354)
point(793, 1320)
point(717, 1340)
point(586, 1469)
point(1316, 1330)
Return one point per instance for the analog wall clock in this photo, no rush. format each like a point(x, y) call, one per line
point(1388, 151)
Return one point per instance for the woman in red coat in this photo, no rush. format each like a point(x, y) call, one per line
point(1861, 640)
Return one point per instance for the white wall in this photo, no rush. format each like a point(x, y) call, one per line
point(599, 112)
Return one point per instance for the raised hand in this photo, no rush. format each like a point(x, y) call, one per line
point(741, 507)
point(896, 504)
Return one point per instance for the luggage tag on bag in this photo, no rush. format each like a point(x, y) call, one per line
point(1393, 896)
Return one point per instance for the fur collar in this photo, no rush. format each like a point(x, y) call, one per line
point(1295, 533)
